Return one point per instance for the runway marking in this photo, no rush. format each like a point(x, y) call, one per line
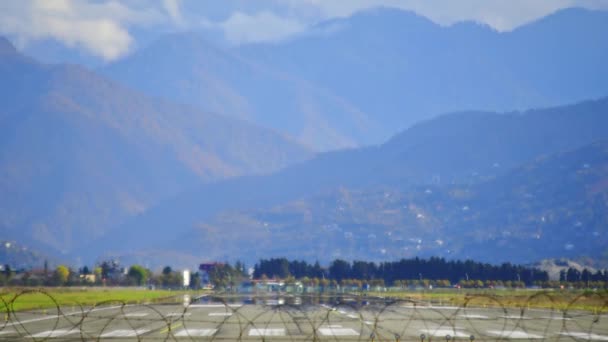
point(125, 333)
point(68, 314)
point(220, 314)
point(215, 305)
point(266, 332)
point(274, 302)
point(430, 307)
point(7, 332)
point(338, 332)
point(474, 316)
point(332, 326)
point(171, 326)
point(207, 306)
point(195, 332)
point(513, 334)
point(137, 314)
point(557, 318)
point(586, 336)
point(55, 333)
point(178, 314)
point(514, 317)
point(444, 332)
point(349, 315)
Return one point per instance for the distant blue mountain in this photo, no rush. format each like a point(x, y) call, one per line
point(359, 80)
point(80, 154)
point(85, 159)
point(552, 207)
point(400, 68)
point(187, 69)
point(471, 158)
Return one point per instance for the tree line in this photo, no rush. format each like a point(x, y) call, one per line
point(109, 273)
point(573, 275)
point(434, 268)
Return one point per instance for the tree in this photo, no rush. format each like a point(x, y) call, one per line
point(290, 280)
point(106, 268)
point(97, 271)
point(573, 275)
point(62, 274)
point(195, 280)
point(339, 269)
point(240, 267)
point(317, 271)
point(586, 276)
point(223, 275)
point(138, 274)
point(7, 271)
point(167, 277)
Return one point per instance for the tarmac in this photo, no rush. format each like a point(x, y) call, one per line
point(273, 320)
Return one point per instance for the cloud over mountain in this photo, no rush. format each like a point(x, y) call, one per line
point(109, 29)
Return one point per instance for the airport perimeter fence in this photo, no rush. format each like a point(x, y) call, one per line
point(271, 317)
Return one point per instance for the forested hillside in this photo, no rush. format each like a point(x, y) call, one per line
point(80, 154)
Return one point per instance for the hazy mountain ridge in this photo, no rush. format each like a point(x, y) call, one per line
point(91, 167)
point(401, 68)
point(465, 148)
point(79, 153)
point(187, 69)
point(21, 257)
point(553, 207)
point(358, 80)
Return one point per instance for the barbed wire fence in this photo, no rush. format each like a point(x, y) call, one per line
point(310, 317)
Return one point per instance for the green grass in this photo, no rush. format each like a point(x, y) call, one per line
point(596, 302)
point(51, 298)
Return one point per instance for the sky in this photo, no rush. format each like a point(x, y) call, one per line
point(107, 29)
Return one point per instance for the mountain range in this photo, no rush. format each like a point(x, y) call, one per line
point(186, 69)
point(376, 136)
point(552, 207)
point(359, 80)
point(80, 153)
point(466, 149)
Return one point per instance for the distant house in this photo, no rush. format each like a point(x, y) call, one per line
point(88, 278)
point(271, 285)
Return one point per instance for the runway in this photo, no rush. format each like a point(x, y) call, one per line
point(272, 319)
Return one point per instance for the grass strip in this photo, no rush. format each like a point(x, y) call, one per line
point(51, 298)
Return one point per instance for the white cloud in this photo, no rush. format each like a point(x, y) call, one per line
point(289, 17)
point(173, 8)
point(502, 15)
point(263, 26)
point(101, 28)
